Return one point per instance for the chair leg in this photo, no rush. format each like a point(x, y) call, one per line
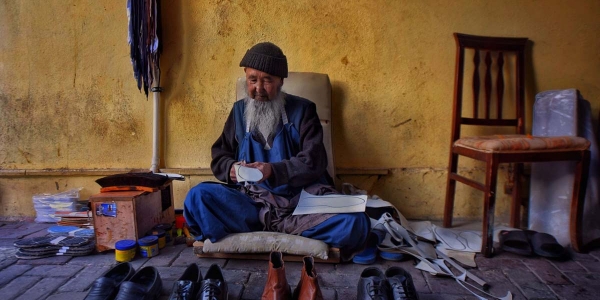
point(489, 205)
point(450, 190)
point(578, 202)
point(515, 210)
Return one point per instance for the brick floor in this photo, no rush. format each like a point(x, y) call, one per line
point(65, 277)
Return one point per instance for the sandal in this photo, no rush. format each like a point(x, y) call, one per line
point(546, 245)
point(515, 241)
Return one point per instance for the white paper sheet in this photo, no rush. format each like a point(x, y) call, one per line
point(459, 240)
point(463, 257)
point(464, 240)
point(423, 229)
point(337, 203)
point(378, 202)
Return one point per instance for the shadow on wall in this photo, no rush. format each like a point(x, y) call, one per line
point(338, 104)
point(173, 64)
point(173, 60)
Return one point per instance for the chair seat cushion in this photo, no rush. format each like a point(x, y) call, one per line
point(517, 142)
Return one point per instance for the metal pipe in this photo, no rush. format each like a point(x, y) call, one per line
point(155, 130)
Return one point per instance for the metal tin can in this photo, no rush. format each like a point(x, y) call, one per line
point(168, 228)
point(125, 250)
point(148, 246)
point(161, 235)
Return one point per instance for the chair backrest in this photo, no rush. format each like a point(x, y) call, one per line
point(312, 86)
point(491, 56)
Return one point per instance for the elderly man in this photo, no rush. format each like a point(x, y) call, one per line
point(280, 135)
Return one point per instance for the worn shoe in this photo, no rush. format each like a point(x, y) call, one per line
point(214, 286)
point(401, 283)
point(372, 285)
point(144, 285)
point(277, 287)
point(107, 286)
point(308, 287)
point(186, 287)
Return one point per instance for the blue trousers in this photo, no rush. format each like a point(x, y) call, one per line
point(214, 210)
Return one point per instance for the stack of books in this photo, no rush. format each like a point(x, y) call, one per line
point(74, 218)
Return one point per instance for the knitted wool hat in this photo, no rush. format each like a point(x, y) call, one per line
point(266, 57)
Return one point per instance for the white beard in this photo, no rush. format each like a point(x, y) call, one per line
point(264, 116)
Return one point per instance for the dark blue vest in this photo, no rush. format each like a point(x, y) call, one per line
point(286, 143)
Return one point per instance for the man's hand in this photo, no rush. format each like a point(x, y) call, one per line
point(264, 168)
point(232, 175)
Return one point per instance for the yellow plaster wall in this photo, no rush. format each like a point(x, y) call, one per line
point(68, 99)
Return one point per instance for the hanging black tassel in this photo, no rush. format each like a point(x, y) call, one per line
point(144, 41)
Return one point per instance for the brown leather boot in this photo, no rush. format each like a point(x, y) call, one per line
point(308, 287)
point(277, 287)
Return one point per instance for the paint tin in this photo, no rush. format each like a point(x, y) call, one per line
point(125, 250)
point(168, 228)
point(161, 235)
point(148, 246)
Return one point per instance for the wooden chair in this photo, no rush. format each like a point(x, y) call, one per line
point(490, 55)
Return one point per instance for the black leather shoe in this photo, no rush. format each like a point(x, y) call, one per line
point(214, 286)
point(107, 286)
point(186, 287)
point(144, 285)
point(401, 283)
point(372, 285)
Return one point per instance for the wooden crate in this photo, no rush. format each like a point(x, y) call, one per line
point(129, 215)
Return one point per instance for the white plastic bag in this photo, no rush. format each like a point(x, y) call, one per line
point(46, 205)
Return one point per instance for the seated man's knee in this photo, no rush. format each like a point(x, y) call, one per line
point(200, 192)
point(356, 227)
point(359, 225)
point(359, 221)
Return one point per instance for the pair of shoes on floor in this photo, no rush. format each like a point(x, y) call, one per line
point(529, 242)
point(122, 282)
point(191, 284)
point(369, 254)
point(396, 283)
point(277, 286)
